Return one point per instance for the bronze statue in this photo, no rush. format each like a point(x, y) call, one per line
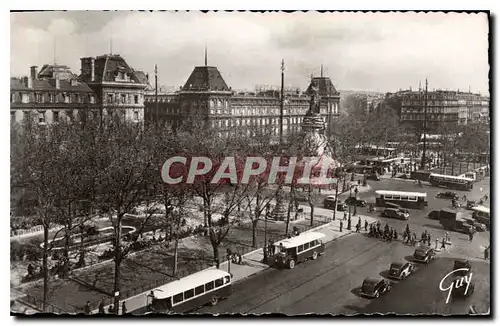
point(315, 101)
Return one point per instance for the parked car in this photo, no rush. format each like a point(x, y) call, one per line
point(373, 176)
point(396, 213)
point(352, 201)
point(374, 288)
point(341, 207)
point(447, 195)
point(480, 227)
point(462, 263)
point(424, 254)
point(329, 202)
point(400, 271)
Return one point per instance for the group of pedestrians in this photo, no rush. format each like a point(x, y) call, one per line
point(387, 233)
point(101, 310)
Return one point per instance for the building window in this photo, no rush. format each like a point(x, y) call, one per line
point(55, 116)
point(136, 115)
point(136, 99)
point(92, 99)
point(41, 117)
point(12, 116)
point(69, 113)
point(123, 98)
point(25, 98)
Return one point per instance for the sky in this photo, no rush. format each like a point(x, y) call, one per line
point(359, 51)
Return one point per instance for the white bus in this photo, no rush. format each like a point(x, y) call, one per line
point(402, 198)
point(191, 292)
point(452, 182)
point(298, 249)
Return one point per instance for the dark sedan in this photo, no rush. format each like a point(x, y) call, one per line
point(352, 201)
point(374, 288)
point(447, 195)
point(424, 254)
point(400, 271)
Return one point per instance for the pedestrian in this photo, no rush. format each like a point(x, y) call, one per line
point(101, 307)
point(341, 225)
point(443, 244)
point(366, 225)
point(429, 240)
point(124, 308)
point(487, 252)
point(359, 221)
point(471, 236)
point(414, 239)
point(357, 227)
point(86, 308)
point(437, 242)
point(345, 216)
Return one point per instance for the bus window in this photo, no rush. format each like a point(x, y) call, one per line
point(412, 198)
point(396, 197)
point(178, 298)
point(227, 279)
point(306, 246)
point(188, 294)
point(209, 286)
point(199, 290)
point(404, 197)
point(388, 197)
point(300, 248)
point(219, 282)
point(312, 243)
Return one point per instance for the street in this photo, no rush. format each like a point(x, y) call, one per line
point(329, 285)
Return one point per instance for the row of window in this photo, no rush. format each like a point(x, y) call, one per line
point(42, 115)
point(199, 290)
point(255, 122)
point(52, 98)
point(403, 198)
point(420, 117)
point(307, 246)
point(112, 98)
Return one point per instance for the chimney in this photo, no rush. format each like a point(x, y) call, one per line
point(32, 77)
point(88, 68)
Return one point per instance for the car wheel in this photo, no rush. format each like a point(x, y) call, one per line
point(214, 300)
point(377, 295)
point(291, 264)
point(315, 255)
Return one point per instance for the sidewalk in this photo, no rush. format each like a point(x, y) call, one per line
point(252, 261)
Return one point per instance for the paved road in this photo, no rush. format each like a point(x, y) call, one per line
point(329, 285)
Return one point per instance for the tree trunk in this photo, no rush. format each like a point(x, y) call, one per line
point(67, 235)
point(81, 259)
point(288, 213)
point(176, 252)
point(215, 248)
point(118, 261)
point(45, 268)
point(254, 232)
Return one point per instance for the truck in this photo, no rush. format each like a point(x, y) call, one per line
point(454, 221)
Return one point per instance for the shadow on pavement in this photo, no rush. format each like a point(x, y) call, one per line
point(432, 226)
point(409, 258)
point(356, 309)
point(384, 274)
point(357, 291)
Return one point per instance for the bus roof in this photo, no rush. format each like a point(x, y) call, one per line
point(482, 209)
point(189, 282)
point(450, 177)
point(400, 193)
point(300, 239)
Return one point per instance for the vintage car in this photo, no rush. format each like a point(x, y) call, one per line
point(374, 287)
point(424, 254)
point(352, 201)
point(400, 271)
point(470, 204)
point(462, 263)
point(373, 176)
point(434, 215)
point(329, 202)
point(396, 213)
point(480, 227)
point(447, 195)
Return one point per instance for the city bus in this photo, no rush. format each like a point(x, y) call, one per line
point(402, 198)
point(191, 292)
point(298, 249)
point(452, 182)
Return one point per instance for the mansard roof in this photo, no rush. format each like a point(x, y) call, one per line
point(205, 78)
point(324, 86)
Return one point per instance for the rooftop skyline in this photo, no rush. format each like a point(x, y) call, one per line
point(377, 52)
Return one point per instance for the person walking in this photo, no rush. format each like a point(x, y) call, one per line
point(86, 308)
point(345, 216)
point(443, 244)
point(124, 308)
point(101, 307)
point(471, 236)
point(428, 239)
point(437, 242)
point(358, 226)
point(366, 225)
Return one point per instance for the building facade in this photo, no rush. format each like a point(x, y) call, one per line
point(106, 86)
point(443, 107)
point(205, 95)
